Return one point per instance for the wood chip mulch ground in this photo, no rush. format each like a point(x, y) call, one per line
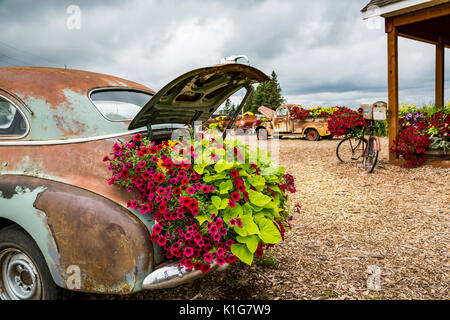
point(359, 236)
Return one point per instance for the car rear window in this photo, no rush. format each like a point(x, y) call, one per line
point(119, 105)
point(12, 122)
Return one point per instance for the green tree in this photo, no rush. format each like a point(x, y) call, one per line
point(229, 109)
point(266, 94)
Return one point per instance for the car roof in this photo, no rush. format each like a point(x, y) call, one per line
point(56, 101)
point(48, 83)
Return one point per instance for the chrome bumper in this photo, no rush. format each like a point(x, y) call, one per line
point(173, 275)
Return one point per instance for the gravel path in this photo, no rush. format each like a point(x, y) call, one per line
point(359, 236)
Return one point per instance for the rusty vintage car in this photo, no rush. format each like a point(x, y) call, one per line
point(281, 124)
point(62, 227)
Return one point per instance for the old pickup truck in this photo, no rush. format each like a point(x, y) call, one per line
point(282, 122)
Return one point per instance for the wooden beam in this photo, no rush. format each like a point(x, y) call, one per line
point(393, 91)
point(422, 15)
point(415, 33)
point(440, 65)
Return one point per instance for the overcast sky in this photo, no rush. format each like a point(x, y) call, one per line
point(322, 50)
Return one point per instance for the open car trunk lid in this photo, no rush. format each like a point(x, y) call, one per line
point(196, 95)
point(268, 113)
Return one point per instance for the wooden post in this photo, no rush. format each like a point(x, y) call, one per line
point(393, 90)
point(440, 63)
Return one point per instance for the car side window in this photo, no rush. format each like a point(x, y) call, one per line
point(12, 122)
point(282, 112)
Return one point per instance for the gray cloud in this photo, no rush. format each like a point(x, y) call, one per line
point(322, 50)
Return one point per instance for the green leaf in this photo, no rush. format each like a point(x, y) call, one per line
point(243, 173)
point(212, 209)
point(257, 181)
point(199, 168)
point(241, 251)
point(237, 211)
point(269, 232)
point(249, 225)
point(274, 208)
point(251, 242)
point(258, 199)
point(202, 219)
point(258, 217)
point(240, 231)
point(215, 177)
point(224, 203)
point(220, 167)
point(217, 202)
point(225, 186)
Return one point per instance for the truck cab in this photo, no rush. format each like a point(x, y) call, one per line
point(282, 122)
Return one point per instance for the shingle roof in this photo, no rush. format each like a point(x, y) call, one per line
point(379, 3)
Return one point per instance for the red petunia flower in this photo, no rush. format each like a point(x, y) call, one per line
point(157, 229)
point(188, 252)
point(206, 268)
point(208, 257)
point(145, 208)
point(234, 173)
point(160, 178)
point(235, 196)
point(231, 259)
point(162, 241)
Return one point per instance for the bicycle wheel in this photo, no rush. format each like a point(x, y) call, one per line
point(350, 149)
point(370, 155)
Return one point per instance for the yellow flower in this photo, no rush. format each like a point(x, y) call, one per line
point(160, 166)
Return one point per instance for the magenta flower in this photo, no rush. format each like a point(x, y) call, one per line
point(157, 229)
point(208, 257)
point(220, 252)
point(231, 259)
point(213, 230)
point(221, 261)
point(198, 238)
point(235, 196)
point(142, 164)
point(188, 252)
point(219, 223)
point(162, 241)
point(133, 204)
point(145, 208)
point(191, 190)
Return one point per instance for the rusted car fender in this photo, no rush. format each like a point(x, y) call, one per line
point(265, 125)
point(77, 229)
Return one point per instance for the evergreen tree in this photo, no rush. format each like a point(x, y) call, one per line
point(266, 94)
point(229, 109)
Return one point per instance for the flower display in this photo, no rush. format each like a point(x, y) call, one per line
point(346, 122)
point(298, 113)
point(207, 207)
point(417, 133)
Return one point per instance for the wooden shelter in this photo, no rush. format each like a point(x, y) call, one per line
point(422, 20)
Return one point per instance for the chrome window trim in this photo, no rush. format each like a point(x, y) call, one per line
point(69, 141)
point(159, 129)
point(115, 88)
point(23, 115)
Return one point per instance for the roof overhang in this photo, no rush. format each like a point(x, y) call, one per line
point(398, 8)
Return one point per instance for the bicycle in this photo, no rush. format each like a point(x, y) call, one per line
point(355, 148)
